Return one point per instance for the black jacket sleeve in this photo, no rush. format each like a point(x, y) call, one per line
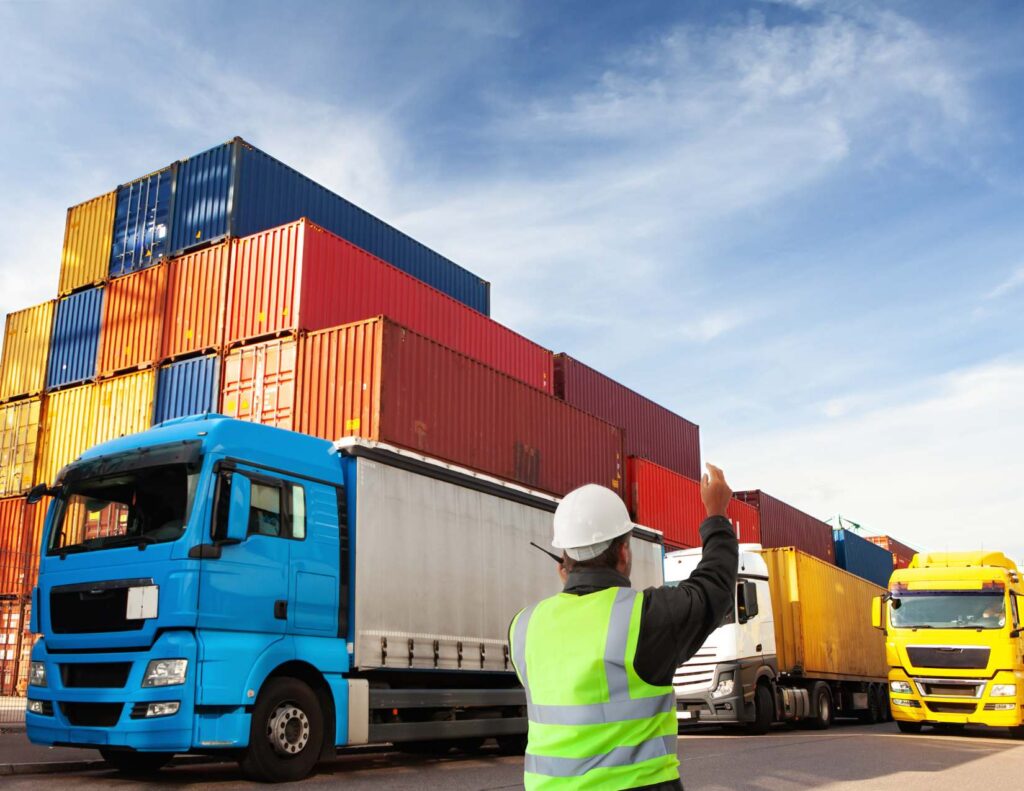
point(676, 621)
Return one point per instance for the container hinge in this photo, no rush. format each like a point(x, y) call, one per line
point(383, 650)
point(504, 649)
point(412, 644)
point(483, 655)
point(437, 652)
point(458, 647)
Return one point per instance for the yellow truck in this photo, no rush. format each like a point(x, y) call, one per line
point(954, 642)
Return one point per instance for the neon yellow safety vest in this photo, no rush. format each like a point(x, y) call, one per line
point(594, 724)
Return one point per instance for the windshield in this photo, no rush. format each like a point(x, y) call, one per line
point(143, 506)
point(728, 618)
point(949, 610)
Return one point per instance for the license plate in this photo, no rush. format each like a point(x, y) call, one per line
point(142, 603)
point(686, 715)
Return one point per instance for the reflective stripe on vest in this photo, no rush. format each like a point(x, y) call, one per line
point(613, 724)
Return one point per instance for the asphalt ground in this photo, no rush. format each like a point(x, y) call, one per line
point(845, 757)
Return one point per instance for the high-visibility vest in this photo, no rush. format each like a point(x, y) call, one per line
point(594, 723)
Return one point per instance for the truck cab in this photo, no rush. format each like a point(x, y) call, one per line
point(954, 642)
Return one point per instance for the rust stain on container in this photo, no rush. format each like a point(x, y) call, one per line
point(258, 383)
point(196, 295)
point(67, 429)
point(133, 320)
point(88, 236)
point(26, 347)
point(19, 442)
point(124, 405)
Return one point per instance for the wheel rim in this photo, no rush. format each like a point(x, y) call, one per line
point(288, 729)
point(823, 708)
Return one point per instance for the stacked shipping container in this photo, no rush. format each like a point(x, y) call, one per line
point(782, 525)
point(901, 553)
point(860, 556)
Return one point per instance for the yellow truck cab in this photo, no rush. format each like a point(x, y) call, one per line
point(954, 642)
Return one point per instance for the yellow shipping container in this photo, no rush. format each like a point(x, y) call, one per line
point(823, 619)
point(67, 429)
point(26, 345)
point(88, 237)
point(19, 439)
point(124, 405)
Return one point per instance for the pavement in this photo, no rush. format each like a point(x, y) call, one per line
point(843, 758)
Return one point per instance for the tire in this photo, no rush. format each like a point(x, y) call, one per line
point(908, 727)
point(130, 762)
point(873, 713)
point(512, 743)
point(886, 705)
point(821, 708)
point(764, 712)
point(286, 735)
point(1017, 732)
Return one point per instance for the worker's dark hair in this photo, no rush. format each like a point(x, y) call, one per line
point(608, 559)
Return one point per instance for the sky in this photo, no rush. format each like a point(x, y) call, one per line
point(798, 224)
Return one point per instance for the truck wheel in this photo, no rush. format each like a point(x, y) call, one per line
point(129, 762)
point(512, 743)
point(1017, 732)
point(908, 727)
point(873, 713)
point(886, 705)
point(821, 708)
point(764, 711)
point(286, 735)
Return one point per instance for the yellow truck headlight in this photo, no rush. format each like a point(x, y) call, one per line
point(900, 687)
point(1003, 691)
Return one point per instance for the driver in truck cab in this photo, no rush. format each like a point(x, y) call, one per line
point(597, 659)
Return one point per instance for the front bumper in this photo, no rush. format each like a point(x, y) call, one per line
point(75, 713)
point(958, 710)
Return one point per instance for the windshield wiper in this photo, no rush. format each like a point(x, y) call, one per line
point(141, 541)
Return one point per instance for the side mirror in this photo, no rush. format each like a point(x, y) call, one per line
point(37, 493)
point(238, 515)
point(876, 612)
point(747, 601)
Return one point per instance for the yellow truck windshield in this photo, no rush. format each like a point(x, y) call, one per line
point(948, 610)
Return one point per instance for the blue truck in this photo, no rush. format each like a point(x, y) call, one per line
point(213, 586)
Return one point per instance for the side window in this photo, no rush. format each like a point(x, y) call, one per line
point(276, 508)
point(1015, 609)
point(265, 512)
point(298, 511)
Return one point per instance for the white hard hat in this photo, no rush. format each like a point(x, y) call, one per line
point(587, 521)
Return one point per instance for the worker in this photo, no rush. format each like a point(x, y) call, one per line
point(597, 660)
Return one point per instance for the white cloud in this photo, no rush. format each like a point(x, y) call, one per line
point(1013, 282)
point(940, 471)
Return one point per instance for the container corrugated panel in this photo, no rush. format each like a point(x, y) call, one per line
point(235, 189)
point(861, 557)
point(133, 320)
point(20, 422)
point(258, 383)
point(26, 345)
point(823, 619)
point(76, 334)
point(901, 553)
point(124, 405)
point(782, 525)
point(379, 380)
point(21, 532)
point(667, 501)
point(85, 259)
point(289, 278)
point(67, 429)
point(652, 432)
point(16, 644)
point(188, 387)
point(196, 294)
point(142, 221)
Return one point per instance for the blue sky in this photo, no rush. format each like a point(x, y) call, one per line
point(797, 223)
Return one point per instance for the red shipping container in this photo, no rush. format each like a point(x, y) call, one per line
point(21, 531)
point(15, 646)
point(196, 292)
point(258, 383)
point(133, 320)
point(379, 380)
point(300, 277)
point(783, 525)
point(651, 431)
point(901, 553)
point(667, 501)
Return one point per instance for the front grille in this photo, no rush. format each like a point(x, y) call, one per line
point(80, 609)
point(951, 708)
point(939, 689)
point(690, 677)
point(950, 657)
point(95, 675)
point(98, 715)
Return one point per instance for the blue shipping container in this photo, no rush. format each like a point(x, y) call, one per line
point(75, 337)
point(859, 556)
point(142, 222)
point(189, 387)
point(237, 190)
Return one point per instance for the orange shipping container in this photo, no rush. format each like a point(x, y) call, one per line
point(19, 441)
point(88, 236)
point(124, 405)
point(133, 319)
point(15, 646)
point(196, 294)
point(67, 429)
point(26, 344)
point(258, 383)
point(21, 531)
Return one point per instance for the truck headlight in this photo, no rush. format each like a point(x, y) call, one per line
point(165, 673)
point(37, 674)
point(1003, 691)
point(725, 686)
point(900, 687)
